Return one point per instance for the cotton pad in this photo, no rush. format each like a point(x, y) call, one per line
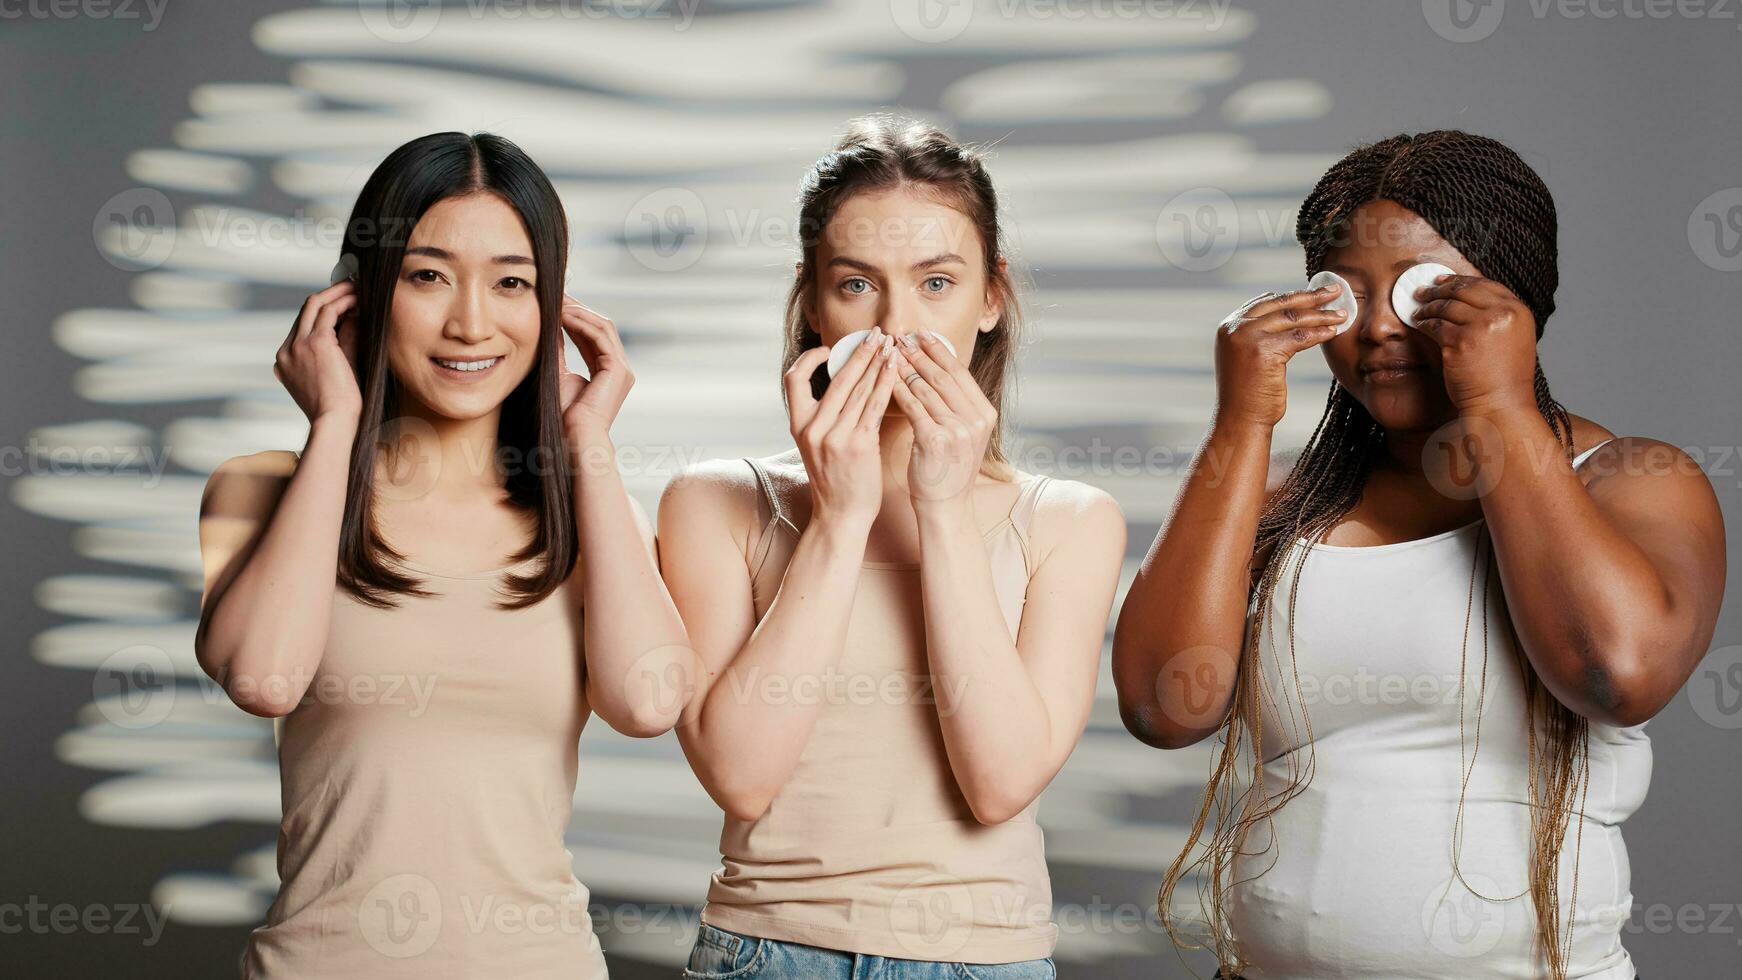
point(1416, 276)
point(845, 347)
point(1344, 300)
point(346, 268)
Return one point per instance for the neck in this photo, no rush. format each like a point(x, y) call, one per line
point(1403, 448)
point(430, 455)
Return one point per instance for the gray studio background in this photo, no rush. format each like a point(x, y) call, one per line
point(682, 128)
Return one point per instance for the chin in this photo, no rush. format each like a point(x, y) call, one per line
point(1402, 409)
point(1404, 415)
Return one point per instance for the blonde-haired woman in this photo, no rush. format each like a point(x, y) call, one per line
point(899, 632)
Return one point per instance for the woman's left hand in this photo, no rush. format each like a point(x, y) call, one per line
point(1487, 339)
point(951, 417)
point(589, 405)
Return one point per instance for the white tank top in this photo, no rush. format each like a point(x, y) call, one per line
point(1353, 877)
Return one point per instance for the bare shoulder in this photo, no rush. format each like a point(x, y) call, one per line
point(1654, 473)
point(716, 492)
point(240, 498)
point(1078, 512)
point(248, 487)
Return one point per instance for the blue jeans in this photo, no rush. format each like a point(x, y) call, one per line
point(722, 955)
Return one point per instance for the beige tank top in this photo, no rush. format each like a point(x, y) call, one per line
point(427, 780)
point(870, 847)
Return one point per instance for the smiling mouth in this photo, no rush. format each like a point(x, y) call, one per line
point(477, 366)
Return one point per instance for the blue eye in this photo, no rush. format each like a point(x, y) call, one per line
point(848, 284)
point(938, 279)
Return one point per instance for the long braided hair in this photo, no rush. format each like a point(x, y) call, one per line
point(1484, 200)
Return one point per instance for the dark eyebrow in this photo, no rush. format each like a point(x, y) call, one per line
point(943, 259)
point(445, 255)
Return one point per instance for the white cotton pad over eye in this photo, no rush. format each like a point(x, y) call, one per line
point(845, 347)
point(1416, 276)
point(1344, 300)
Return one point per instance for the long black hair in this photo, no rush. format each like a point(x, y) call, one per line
point(411, 180)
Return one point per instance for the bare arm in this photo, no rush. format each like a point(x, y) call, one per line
point(1613, 588)
point(269, 525)
point(634, 642)
point(1011, 713)
point(1177, 642)
point(269, 544)
point(1181, 629)
point(742, 744)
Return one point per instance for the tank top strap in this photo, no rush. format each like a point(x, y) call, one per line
point(770, 499)
point(776, 515)
point(1022, 511)
point(1580, 458)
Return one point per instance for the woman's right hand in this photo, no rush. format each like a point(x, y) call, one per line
point(1253, 347)
point(317, 362)
point(838, 437)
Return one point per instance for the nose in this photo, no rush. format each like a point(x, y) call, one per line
point(468, 321)
point(900, 315)
point(1377, 321)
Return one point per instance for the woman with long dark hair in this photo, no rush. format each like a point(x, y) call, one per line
point(433, 596)
point(899, 631)
point(1429, 640)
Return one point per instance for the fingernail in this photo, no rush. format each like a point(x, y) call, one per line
point(908, 342)
point(930, 335)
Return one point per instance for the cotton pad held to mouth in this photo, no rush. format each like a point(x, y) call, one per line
point(845, 347)
point(1344, 300)
point(1416, 276)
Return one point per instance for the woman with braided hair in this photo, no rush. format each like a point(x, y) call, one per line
point(1430, 639)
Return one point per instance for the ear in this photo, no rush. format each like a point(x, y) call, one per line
point(994, 303)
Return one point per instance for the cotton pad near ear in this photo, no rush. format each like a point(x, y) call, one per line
point(845, 347)
point(1403, 299)
point(346, 268)
point(1344, 300)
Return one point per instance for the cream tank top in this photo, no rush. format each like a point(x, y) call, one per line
point(870, 846)
point(427, 780)
point(1354, 877)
